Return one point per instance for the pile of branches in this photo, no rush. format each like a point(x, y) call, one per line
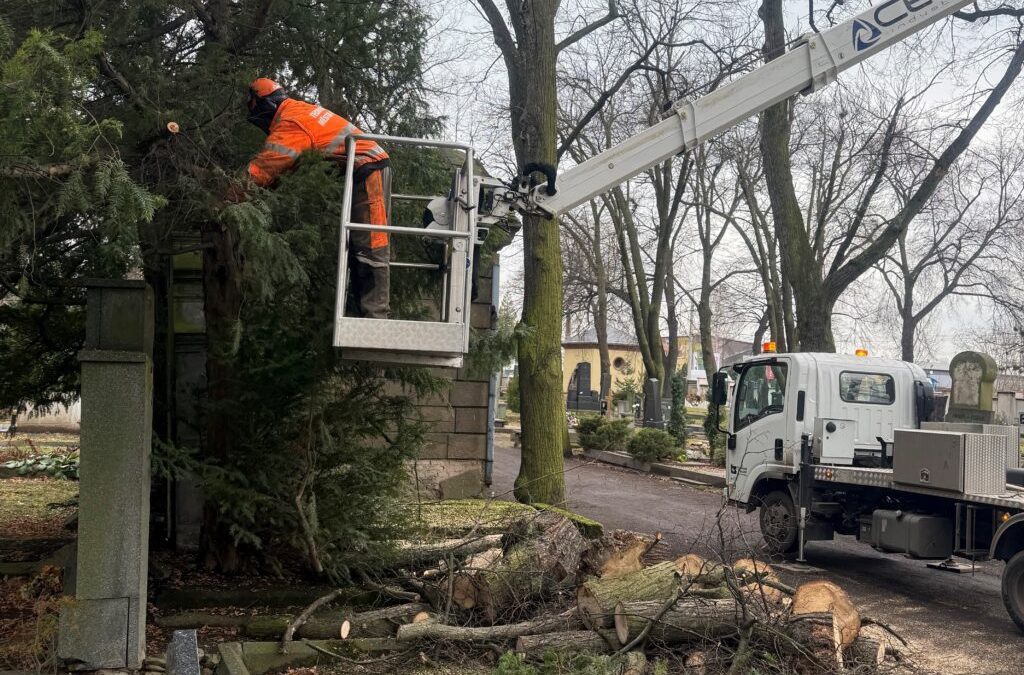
point(543, 586)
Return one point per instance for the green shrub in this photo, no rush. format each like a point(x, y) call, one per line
point(586, 425)
point(677, 417)
point(650, 445)
point(612, 436)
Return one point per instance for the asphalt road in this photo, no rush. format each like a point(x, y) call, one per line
point(955, 623)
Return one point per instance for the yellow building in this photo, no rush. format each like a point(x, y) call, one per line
point(623, 353)
point(628, 364)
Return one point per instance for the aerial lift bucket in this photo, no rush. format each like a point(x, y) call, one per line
point(440, 342)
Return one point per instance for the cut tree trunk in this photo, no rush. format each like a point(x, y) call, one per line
point(464, 585)
point(817, 597)
point(636, 664)
point(687, 620)
point(617, 554)
point(530, 569)
point(598, 642)
point(865, 654)
point(813, 639)
point(410, 554)
point(596, 599)
point(428, 630)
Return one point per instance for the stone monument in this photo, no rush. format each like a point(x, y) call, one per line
point(105, 625)
point(970, 396)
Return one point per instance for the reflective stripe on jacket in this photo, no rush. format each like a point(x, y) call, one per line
point(299, 126)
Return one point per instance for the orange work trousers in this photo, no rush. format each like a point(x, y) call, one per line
point(369, 252)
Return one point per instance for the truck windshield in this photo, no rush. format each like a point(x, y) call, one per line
point(762, 392)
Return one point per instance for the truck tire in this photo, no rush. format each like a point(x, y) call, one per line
point(779, 524)
point(1013, 588)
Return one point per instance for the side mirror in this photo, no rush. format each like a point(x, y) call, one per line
point(719, 388)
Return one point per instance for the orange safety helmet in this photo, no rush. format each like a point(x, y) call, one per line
point(265, 96)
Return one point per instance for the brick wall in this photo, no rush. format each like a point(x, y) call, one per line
point(451, 465)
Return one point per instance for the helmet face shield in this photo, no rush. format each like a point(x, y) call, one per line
point(263, 107)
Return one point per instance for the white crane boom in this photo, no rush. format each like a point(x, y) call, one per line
point(814, 63)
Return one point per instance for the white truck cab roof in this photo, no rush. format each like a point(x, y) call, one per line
point(877, 394)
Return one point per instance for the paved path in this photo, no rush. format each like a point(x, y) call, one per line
point(956, 623)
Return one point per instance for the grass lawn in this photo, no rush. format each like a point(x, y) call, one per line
point(22, 446)
point(24, 510)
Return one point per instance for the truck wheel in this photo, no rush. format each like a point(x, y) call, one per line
point(779, 526)
point(1013, 588)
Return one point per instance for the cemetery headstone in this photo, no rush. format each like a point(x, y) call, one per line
point(970, 397)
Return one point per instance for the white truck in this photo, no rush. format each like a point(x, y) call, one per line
point(822, 444)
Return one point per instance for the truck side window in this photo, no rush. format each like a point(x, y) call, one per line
point(876, 388)
point(762, 392)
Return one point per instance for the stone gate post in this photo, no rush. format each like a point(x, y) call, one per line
point(106, 625)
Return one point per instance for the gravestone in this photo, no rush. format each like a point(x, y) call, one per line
point(183, 654)
point(653, 412)
point(970, 397)
point(105, 625)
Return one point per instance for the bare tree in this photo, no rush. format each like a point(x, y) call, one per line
point(818, 280)
point(955, 247)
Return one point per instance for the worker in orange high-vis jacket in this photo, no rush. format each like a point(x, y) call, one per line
point(294, 127)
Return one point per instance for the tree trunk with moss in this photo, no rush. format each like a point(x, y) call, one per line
point(530, 55)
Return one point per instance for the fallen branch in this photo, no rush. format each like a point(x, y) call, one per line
point(439, 631)
point(535, 646)
point(289, 632)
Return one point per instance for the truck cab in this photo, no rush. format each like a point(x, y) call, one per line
point(777, 399)
point(826, 444)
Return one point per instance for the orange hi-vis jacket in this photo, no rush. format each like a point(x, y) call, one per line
point(299, 126)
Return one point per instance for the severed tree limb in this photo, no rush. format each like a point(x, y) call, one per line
point(289, 632)
point(868, 621)
point(439, 631)
point(635, 642)
point(388, 591)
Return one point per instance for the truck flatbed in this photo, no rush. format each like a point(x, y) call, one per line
point(1011, 500)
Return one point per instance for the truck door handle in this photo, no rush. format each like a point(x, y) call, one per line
point(778, 449)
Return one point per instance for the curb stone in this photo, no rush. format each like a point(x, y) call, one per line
point(656, 468)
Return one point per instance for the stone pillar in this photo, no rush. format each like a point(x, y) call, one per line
point(105, 626)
